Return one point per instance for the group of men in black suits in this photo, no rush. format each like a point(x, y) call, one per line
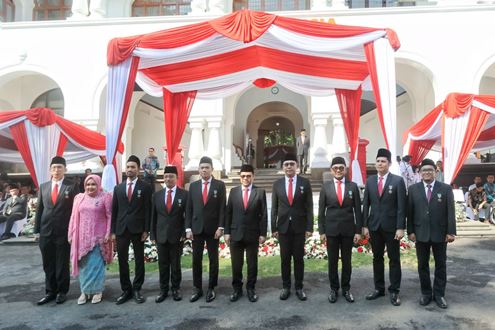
point(203, 215)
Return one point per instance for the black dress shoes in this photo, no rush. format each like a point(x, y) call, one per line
point(210, 295)
point(46, 299)
point(61, 298)
point(161, 297)
point(348, 296)
point(425, 300)
point(441, 302)
point(138, 297)
point(374, 295)
point(235, 295)
point(252, 295)
point(301, 295)
point(332, 297)
point(126, 295)
point(395, 299)
point(176, 295)
point(196, 295)
point(284, 294)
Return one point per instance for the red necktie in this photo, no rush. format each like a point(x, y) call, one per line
point(169, 200)
point(428, 194)
point(246, 191)
point(205, 193)
point(289, 195)
point(380, 185)
point(129, 192)
point(339, 192)
point(54, 193)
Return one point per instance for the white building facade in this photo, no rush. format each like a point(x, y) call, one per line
point(446, 46)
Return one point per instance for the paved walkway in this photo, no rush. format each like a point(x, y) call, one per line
point(470, 293)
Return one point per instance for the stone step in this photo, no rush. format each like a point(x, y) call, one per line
point(476, 233)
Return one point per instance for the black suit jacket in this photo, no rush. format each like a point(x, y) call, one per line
point(302, 148)
point(205, 218)
point(54, 219)
point(17, 208)
point(431, 221)
point(387, 211)
point(246, 224)
point(300, 213)
point(165, 226)
point(334, 219)
point(135, 216)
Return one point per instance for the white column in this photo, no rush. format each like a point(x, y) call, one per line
point(23, 10)
point(98, 9)
point(214, 150)
point(319, 155)
point(219, 7)
point(196, 147)
point(198, 7)
point(80, 9)
point(339, 142)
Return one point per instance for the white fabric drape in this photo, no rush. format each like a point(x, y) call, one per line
point(117, 84)
point(483, 106)
point(357, 177)
point(385, 67)
point(9, 123)
point(43, 143)
point(453, 136)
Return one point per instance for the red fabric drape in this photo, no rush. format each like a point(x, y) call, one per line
point(243, 25)
point(264, 83)
point(476, 122)
point(418, 149)
point(487, 134)
point(19, 134)
point(350, 111)
point(176, 110)
point(62, 142)
point(255, 56)
point(369, 50)
point(424, 125)
point(456, 104)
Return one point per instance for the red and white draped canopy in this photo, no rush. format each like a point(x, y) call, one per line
point(217, 58)
point(35, 136)
point(460, 124)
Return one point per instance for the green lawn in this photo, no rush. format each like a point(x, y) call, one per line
point(270, 266)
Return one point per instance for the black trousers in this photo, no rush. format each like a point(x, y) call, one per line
point(440, 256)
point(198, 245)
point(169, 265)
point(344, 245)
point(151, 180)
point(303, 162)
point(10, 219)
point(123, 243)
point(292, 247)
point(55, 253)
point(379, 240)
point(237, 249)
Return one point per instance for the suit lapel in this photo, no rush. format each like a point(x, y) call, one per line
point(385, 185)
point(434, 191)
point(252, 196)
point(283, 188)
point(61, 191)
point(213, 187)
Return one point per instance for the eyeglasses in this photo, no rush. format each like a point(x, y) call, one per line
point(427, 170)
point(338, 168)
point(246, 176)
point(287, 164)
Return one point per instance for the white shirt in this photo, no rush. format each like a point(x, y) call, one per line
point(426, 187)
point(342, 186)
point(384, 179)
point(294, 181)
point(133, 185)
point(249, 188)
point(174, 189)
point(59, 183)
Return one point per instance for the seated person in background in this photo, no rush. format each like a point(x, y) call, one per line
point(14, 209)
point(477, 201)
point(477, 179)
point(490, 194)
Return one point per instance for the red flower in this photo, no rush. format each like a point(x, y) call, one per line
point(222, 246)
point(360, 249)
point(265, 248)
point(364, 241)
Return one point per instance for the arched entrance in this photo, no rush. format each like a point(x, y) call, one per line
point(273, 127)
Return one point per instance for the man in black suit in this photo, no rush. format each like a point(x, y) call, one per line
point(55, 199)
point(292, 223)
point(245, 228)
point(205, 219)
point(302, 147)
point(339, 223)
point(431, 224)
point(14, 209)
point(131, 215)
point(168, 232)
point(384, 217)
